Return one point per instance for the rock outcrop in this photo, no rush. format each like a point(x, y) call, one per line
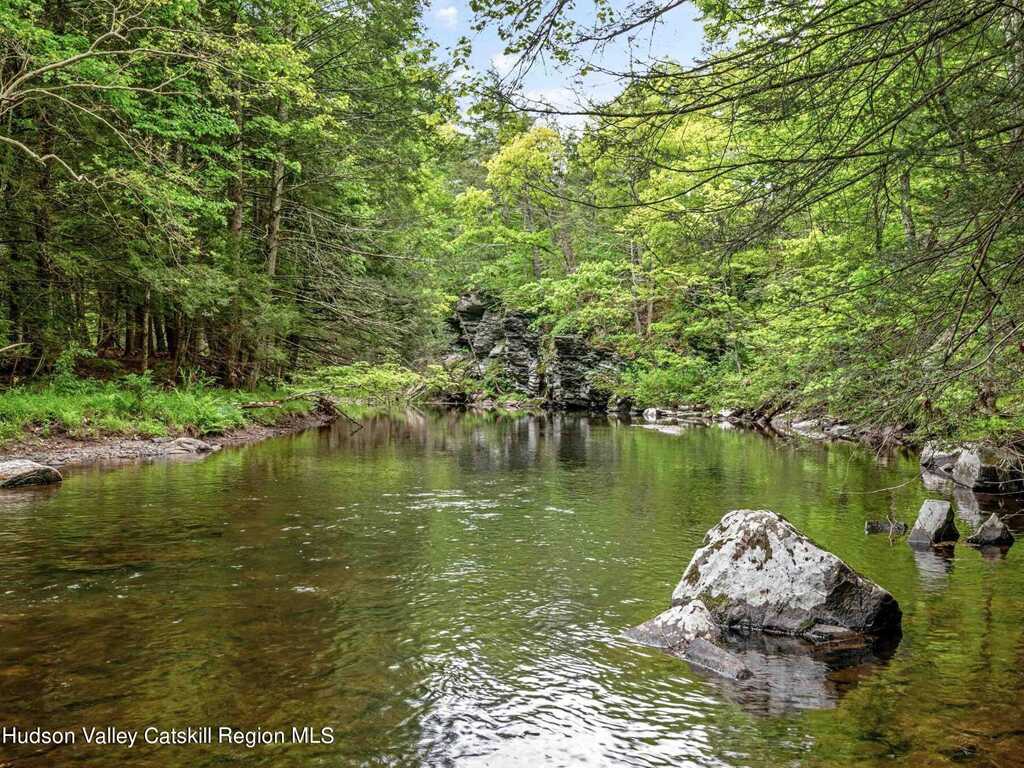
point(19, 472)
point(934, 525)
point(501, 344)
point(757, 573)
point(578, 375)
point(992, 533)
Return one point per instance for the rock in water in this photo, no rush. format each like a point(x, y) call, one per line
point(756, 572)
point(975, 467)
point(885, 526)
point(992, 533)
point(24, 472)
point(189, 445)
point(690, 632)
point(934, 525)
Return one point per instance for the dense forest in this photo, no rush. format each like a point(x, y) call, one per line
point(825, 211)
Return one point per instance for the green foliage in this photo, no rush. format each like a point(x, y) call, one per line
point(668, 380)
point(385, 384)
point(239, 179)
point(133, 405)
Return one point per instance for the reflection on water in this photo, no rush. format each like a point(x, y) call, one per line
point(450, 589)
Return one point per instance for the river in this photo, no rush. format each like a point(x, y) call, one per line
point(446, 589)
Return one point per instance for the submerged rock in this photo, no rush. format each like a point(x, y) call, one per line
point(19, 472)
point(934, 525)
point(992, 533)
point(788, 675)
point(689, 631)
point(757, 573)
point(892, 528)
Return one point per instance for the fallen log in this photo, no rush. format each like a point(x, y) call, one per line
point(324, 404)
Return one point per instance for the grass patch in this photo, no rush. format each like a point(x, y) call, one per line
point(133, 405)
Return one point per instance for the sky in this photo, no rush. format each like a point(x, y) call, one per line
point(678, 37)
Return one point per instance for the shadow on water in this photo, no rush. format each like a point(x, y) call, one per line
point(450, 589)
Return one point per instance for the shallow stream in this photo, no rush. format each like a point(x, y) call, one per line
point(446, 589)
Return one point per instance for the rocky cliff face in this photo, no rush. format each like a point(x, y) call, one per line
point(564, 371)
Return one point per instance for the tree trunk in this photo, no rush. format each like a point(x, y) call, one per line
point(909, 231)
point(276, 200)
point(144, 331)
point(634, 277)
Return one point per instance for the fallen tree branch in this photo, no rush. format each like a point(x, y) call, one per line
point(325, 404)
point(9, 347)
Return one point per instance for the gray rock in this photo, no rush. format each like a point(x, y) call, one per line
point(189, 445)
point(689, 632)
point(498, 342)
point(967, 469)
point(651, 414)
point(974, 467)
point(842, 431)
point(939, 458)
point(711, 656)
point(934, 525)
point(678, 625)
point(757, 572)
point(993, 532)
point(19, 472)
point(620, 405)
point(579, 375)
point(757, 578)
point(502, 344)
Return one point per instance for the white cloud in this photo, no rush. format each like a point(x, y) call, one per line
point(503, 62)
point(448, 15)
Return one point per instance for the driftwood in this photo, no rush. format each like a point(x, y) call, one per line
point(325, 404)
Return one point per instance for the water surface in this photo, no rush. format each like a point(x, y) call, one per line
point(449, 590)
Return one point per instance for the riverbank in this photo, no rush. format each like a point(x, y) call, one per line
point(62, 451)
point(86, 421)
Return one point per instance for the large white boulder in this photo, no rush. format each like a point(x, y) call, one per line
point(757, 573)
